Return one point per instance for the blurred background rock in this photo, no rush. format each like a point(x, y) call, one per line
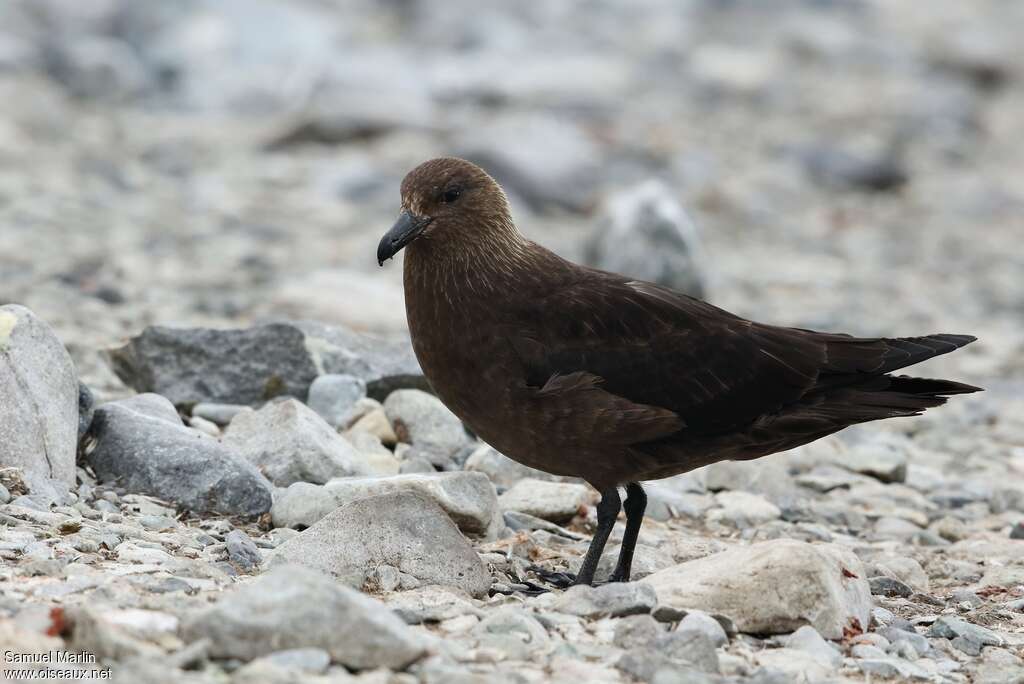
point(848, 164)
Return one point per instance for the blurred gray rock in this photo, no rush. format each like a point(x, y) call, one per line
point(39, 394)
point(403, 534)
point(614, 599)
point(467, 498)
point(699, 621)
point(142, 446)
point(645, 233)
point(834, 167)
point(295, 607)
point(242, 550)
point(97, 68)
point(548, 162)
point(675, 652)
point(502, 470)
point(252, 365)
point(290, 443)
point(334, 398)
point(773, 587)
point(420, 419)
point(558, 502)
point(233, 56)
point(808, 640)
point(964, 636)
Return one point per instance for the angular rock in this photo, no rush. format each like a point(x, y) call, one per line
point(645, 233)
point(39, 395)
point(963, 635)
point(808, 640)
point(242, 550)
point(614, 599)
point(699, 621)
point(773, 587)
point(668, 650)
point(420, 419)
point(142, 445)
point(403, 531)
point(558, 502)
point(334, 397)
point(296, 607)
point(467, 498)
point(290, 443)
point(250, 366)
point(743, 509)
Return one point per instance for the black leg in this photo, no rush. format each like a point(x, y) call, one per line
point(607, 512)
point(636, 502)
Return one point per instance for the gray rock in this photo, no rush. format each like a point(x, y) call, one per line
point(892, 668)
point(403, 530)
point(890, 587)
point(808, 640)
point(502, 470)
point(5, 496)
point(142, 446)
point(670, 649)
point(431, 604)
point(294, 607)
point(219, 414)
point(882, 456)
point(838, 168)
point(636, 631)
point(250, 366)
point(699, 621)
point(743, 509)
point(558, 502)
point(86, 408)
point(420, 419)
point(242, 550)
point(614, 599)
point(546, 162)
point(773, 587)
point(334, 398)
point(39, 394)
point(645, 233)
point(467, 498)
point(511, 630)
point(312, 660)
point(963, 635)
point(290, 443)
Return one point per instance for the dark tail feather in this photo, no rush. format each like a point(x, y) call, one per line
point(884, 355)
point(906, 351)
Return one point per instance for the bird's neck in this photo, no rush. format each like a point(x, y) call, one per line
point(477, 264)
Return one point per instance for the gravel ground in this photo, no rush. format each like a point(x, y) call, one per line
point(844, 165)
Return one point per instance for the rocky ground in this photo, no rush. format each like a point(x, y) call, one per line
point(256, 492)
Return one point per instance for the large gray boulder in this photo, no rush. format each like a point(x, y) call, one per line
point(401, 540)
point(296, 607)
point(38, 400)
point(773, 587)
point(289, 443)
point(142, 446)
point(252, 365)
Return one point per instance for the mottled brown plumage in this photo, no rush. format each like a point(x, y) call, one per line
point(581, 372)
